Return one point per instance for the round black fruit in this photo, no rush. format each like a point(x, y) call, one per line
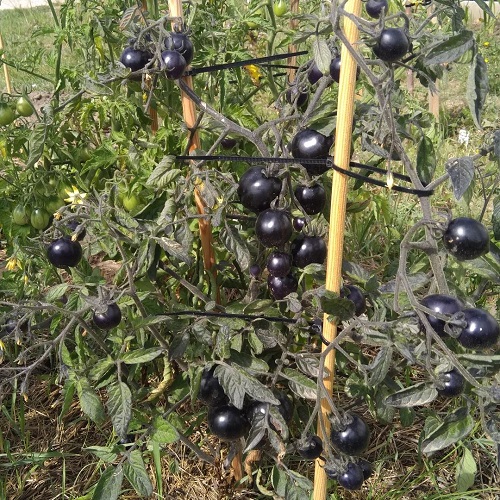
point(354, 294)
point(211, 392)
point(256, 191)
point(227, 422)
point(64, 253)
point(279, 264)
point(134, 59)
point(366, 467)
point(281, 287)
point(442, 304)
point(108, 319)
point(466, 239)
point(228, 142)
point(335, 69)
point(314, 74)
point(73, 225)
point(308, 250)
point(254, 271)
point(297, 96)
point(273, 227)
point(311, 145)
point(285, 407)
point(374, 8)
point(352, 477)
point(482, 330)
point(450, 384)
point(173, 63)
point(353, 438)
point(392, 44)
point(310, 448)
point(299, 223)
point(181, 43)
point(311, 198)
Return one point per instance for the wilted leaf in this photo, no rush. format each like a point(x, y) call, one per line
point(419, 394)
point(461, 172)
point(477, 88)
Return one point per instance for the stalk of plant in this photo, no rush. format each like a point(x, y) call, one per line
point(342, 156)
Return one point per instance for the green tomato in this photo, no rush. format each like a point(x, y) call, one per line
point(24, 107)
point(280, 8)
point(40, 218)
point(7, 116)
point(130, 202)
point(20, 215)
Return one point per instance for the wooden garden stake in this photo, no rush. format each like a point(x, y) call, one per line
point(189, 112)
point(342, 156)
point(294, 22)
point(6, 71)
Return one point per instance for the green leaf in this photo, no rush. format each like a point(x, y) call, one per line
point(235, 244)
point(300, 384)
point(104, 453)
point(135, 472)
point(255, 343)
point(36, 143)
point(163, 174)
point(477, 88)
point(426, 160)
point(455, 426)
point(450, 49)
point(256, 389)
point(140, 355)
point(419, 394)
point(340, 307)
point(89, 401)
point(380, 366)
point(120, 407)
point(163, 431)
point(110, 485)
point(249, 362)
point(495, 218)
point(56, 292)
point(322, 55)
point(96, 88)
point(466, 471)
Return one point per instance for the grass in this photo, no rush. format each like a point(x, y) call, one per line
point(28, 36)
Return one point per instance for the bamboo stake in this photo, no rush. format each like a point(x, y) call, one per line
point(342, 156)
point(294, 23)
point(189, 112)
point(6, 71)
point(152, 111)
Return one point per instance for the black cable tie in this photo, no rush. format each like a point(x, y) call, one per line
point(319, 161)
point(239, 64)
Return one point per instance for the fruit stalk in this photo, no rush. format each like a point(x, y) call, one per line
point(342, 156)
point(189, 112)
point(6, 71)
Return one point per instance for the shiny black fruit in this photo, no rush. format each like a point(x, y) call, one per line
point(310, 448)
point(181, 43)
point(211, 392)
point(227, 422)
point(64, 253)
point(450, 384)
point(308, 250)
point(281, 287)
point(353, 438)
point(273, 227)
point(279, 264)
point(312, 145)
point(352, 477)
point(482, 329)
point(442, 304)
point(311, 198)
point(108, 319)
point(256, 191)
point(174, 64)
point(466, 239)
point(374, 8)
point(134, 59)
point(392, 45)
point(354, 294)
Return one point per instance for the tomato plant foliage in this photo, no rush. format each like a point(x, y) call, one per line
point(123, 244)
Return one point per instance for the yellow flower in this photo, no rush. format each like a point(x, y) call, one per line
point(13, 264)
point(486, 60)
point(57, 216)
point(75, 197)
point(254, 72)
point(486, 44)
